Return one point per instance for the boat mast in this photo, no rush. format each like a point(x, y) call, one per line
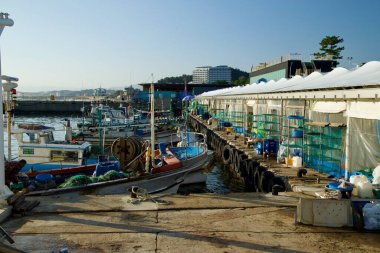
point(152, 141)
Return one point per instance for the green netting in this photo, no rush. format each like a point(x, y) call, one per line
point(16, 187)
point(80, 180)
point(237, 121)
point(324, 149)
point(110, 175)
point(202, 109)
point(265, 126)
point(77, 180)
point(292, 142)
point(218, 113)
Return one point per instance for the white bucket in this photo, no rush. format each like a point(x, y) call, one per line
point(365, 190)
point(297, 161)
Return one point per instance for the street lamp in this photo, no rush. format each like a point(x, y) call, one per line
point(9, 87)
point(4, 191)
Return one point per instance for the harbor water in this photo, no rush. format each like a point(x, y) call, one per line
point(220, 179)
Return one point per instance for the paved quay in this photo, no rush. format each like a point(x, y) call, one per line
point(236, 222)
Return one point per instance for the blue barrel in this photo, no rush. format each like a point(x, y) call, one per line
point(139, 132)
point(297, 133)
point(44, 178)
point(270, 146)
point(259, 148)
point(162, 147)
point(103, 168)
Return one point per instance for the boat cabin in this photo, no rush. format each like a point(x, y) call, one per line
point(37, 146)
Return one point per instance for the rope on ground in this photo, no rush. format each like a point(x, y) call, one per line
point(141, 195)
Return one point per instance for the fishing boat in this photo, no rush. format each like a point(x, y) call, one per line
point(37, 146)
point(138, 164)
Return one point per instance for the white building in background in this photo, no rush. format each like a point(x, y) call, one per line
point(200, 74)
point(209, 74)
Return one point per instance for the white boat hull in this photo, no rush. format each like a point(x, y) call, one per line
point(165, 182)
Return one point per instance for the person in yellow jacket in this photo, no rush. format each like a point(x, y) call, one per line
point(147, 159)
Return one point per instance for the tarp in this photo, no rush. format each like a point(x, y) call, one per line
point(329, 107)
point(364, 110)
point(364, 139)
point(187, 98)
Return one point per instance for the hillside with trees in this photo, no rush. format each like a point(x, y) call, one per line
point(239, 77)
point(176, 79)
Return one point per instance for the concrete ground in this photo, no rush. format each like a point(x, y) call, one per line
point(237, 222)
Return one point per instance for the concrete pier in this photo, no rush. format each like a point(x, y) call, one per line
point(238, 222)
point(264, 172)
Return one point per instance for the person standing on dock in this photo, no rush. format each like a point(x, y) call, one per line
point(209, 121)
point(11, 171)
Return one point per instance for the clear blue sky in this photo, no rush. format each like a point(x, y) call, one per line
point(75, 44)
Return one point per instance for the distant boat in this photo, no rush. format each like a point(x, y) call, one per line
point(103, 125)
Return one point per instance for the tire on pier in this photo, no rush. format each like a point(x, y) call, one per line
point(234, 162)
point(241, 158)
point(243, 169)
point(248, 178)
point(213, 143)
point(259, 178)
point(196, 127)
point(279, 181)
point(251, 181)
point(227, 155)
point(216, 145)
point(208, 139)
point(221, 146)
point(266, 180)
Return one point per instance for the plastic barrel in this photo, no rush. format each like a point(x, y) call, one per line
point(259, 148)
point(44, 178)
point(162, 147)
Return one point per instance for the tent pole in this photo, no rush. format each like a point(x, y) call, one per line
point(347, 159)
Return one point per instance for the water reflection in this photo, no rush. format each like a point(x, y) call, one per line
point(220, 179)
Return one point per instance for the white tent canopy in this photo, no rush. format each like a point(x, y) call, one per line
point(367, 75)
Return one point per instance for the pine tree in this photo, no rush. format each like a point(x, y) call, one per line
point(329, 46)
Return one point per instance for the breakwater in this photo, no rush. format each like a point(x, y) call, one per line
point(26, 107)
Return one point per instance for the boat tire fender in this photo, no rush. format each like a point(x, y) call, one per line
point(256, 180)
point(266, 179)
point(241, 157)
point(226, 154)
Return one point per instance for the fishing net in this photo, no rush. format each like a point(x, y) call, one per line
point(77, 180)
point(81, 180)
point(110, 175)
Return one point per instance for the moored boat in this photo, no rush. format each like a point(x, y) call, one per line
point(172, 166)
point(37, 146)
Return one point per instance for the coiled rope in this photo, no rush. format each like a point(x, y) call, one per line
point(142, 195)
